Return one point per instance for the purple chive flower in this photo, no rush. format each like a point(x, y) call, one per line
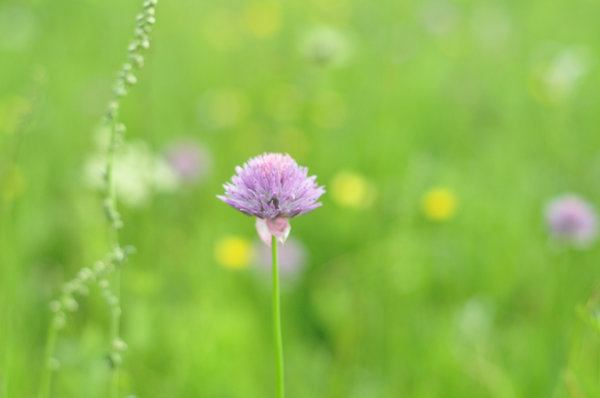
point(273, 188)
point(190, 161)
point(572, 219)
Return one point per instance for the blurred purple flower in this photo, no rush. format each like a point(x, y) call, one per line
point(292, 258)
point(273, 188)
point(190, 160)
point(572, 219)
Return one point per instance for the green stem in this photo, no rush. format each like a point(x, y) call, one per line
point(114, 223)
point(46, 377)
point(114, 335)
point(277, 321)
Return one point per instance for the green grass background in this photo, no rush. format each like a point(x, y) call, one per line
point(378, 311)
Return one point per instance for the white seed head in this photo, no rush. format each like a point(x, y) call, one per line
point(99, 266)
point(137, 59)
point(115, 358)
point(83, 290)
point(59, 321)
point(70, 304)
point(150, 3)
point(119, 344)
point(85, 274)
point(53, 364)
point(120, 92)
point(119, 255)
point(112, 301)
point(131, 79)
point(55, 306)
point(69, 287)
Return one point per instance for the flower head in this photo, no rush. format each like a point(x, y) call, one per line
point(273, 188)
point(572, 219)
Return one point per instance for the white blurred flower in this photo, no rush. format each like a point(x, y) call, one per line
point(139, 173)
point(326, 46)
point(474, 321)
point(438, 17)
point(565, 71)
point(491, 25)
point(558, 73)
point(17, 27)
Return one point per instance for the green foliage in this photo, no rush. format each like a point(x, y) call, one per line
point(495, 102)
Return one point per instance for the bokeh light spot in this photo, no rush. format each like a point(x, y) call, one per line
point(439, 204)
point(233, 252)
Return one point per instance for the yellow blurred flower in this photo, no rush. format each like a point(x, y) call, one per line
point(233, 252)
point(221, 30)
point(329, 110)
point(224, 108)
point(352, 190)
point(284, 102)
point(439, 204)
point(263, 18)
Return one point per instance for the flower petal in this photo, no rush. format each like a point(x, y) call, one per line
point(278, 227)
point(263, 230)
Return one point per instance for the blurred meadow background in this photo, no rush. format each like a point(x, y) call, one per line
point(442, 130)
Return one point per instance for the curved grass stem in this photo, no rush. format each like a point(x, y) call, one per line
point(46, 376)
point(116, 257)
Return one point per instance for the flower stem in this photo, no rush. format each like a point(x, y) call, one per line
point(117, 255)
point(277, 321)
point(47, 370)
point(115, 324)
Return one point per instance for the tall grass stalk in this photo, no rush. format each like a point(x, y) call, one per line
point(109, 268)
